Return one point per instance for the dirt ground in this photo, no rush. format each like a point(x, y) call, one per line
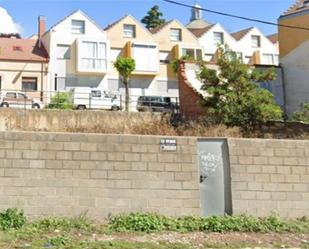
point(221, 240)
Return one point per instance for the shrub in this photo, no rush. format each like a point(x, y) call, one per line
point(12, 218)
point(302, 115)
point(61, 101)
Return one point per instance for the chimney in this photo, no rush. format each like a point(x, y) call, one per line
point(41, 28)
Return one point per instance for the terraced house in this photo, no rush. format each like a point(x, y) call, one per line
point(79, 53)
point(251, 45)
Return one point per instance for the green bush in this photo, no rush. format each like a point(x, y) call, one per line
point(12, 218)
point(61, 101)
point(139, 222)
point(302, 115)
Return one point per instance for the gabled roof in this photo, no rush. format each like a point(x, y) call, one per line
point(68, 16)
point(273, 38)
point(22, 50)
point(160, 27)
point(241, 33)
point(297, 7)
point(110, 26)
point(200, 32)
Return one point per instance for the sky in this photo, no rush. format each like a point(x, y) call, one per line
point(104, 12)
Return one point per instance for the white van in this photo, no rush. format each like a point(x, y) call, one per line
point(94, 98)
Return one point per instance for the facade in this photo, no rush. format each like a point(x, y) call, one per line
point(175, 41)
point(79, 53)
point(252, 46)
point(294, 54)
point(129, 38)
point(23, 66)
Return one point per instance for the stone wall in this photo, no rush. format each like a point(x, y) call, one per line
point(270, 176)
point(68, 174)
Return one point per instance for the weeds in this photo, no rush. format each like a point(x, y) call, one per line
point(139, 222)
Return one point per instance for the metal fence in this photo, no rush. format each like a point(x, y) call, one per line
point(86, 99)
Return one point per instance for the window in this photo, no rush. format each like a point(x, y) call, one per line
point(21, 96)
point(10, 95)
point(78, 27)
point(164, 57)
point(218, 38)
point(96, 94)
point(270, 59)
point(29, 84)
point(129, 31)
point(192, 53)
point(0, 82)
point(175, 35)
point(63, 52)
point(255, 41)
point(146, 57)
point(93, 56)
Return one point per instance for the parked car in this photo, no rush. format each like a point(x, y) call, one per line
point(94, 98)
point(17, 99)
point(156, 104)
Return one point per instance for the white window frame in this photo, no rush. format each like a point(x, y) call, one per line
point(255, 41)
point(218, 38)
point(79, 30)
point(95, 59)
point(175, 37)
point(129, 31)
point(195, 50)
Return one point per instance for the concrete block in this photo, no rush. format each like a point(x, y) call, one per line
point(71, 146)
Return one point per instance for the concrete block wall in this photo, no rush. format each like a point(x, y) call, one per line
point(270, 176)
point(69, 174)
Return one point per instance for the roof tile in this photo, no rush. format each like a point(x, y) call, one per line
point(22, 50)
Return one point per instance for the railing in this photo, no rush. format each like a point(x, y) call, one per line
point(86, 99)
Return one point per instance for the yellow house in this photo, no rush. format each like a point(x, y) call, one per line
point(175, 41)
point(23, 66)
point(294, 54)
point(129, 38)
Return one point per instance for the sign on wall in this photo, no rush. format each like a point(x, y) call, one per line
point(167, 144)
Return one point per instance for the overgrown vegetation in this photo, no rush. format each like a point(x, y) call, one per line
point(141, 222)
point(302, 115)
point(12, 218)
point(80, 233)
point(234, 97)
point(61, 100)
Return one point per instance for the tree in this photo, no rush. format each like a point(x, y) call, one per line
point(125, 66)
point(153, 18)
point(234, 98)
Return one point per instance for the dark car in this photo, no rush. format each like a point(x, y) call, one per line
point(156, 104)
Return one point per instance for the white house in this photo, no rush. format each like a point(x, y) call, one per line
point(255, 47)
point(79, 52)
point(211, 36)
